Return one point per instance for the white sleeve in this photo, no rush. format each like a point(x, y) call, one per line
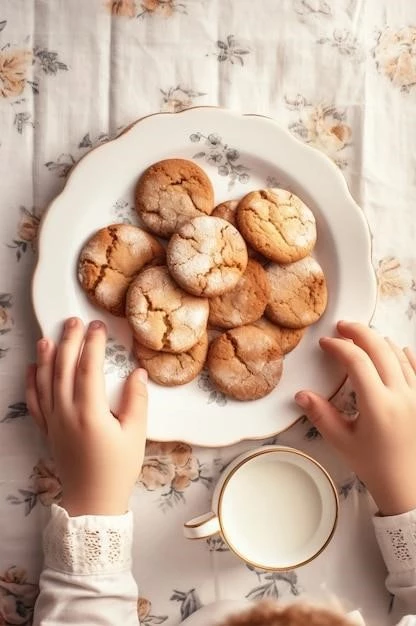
point(396, 536)
point(87, 576)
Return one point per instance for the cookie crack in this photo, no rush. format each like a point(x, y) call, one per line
point(238, 356)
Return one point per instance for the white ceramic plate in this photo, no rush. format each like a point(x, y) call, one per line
point(239, 153)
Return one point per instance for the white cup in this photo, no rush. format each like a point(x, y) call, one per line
point(275, 507)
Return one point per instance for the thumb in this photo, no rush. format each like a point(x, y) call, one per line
point(325, 417)
point(133, 406)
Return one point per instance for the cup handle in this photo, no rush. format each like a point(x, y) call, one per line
point(202, 527)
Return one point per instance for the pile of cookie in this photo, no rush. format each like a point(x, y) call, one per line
point(241, 272)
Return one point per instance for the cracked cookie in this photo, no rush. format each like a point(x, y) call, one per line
point(109, 261)
point(287, 338)
point(162, 315)
point(298, 293)
point(173, 369)
point(245, 363)
point(278, 224)
point(228, 211)
point(245, 303)
point(207, 256)
point(170, 193)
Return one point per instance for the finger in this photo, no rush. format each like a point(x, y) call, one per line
point(358, 365)
point(89, 378)
point(44, 375)
point(133, 406)
point(67, 355)
point(325, 417)
point(406, 366)
point(411, 358)
point(375, 346)
point(32, 401)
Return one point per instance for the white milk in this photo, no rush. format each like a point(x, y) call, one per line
point(271, 511)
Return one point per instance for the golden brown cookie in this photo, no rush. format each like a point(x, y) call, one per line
point(162, 315)
point(228, 211)
point(298, 293)
point(170, 193)
point(278, 224)
point(245, 303)
point(207, 256)
point(287, 338)
point(173, 369)
point(109, 261)
point(245, 363)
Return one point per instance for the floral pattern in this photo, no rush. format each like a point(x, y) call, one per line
point(45, 487)
point(231, 50)
point(322, 126)
point(17, 64)
point(395, 56)
point(176, 480)
point(145, 615)
point(118, 359)
point(17, 597)
point(176, 99)
point(223, 156)
point(27, 232)
point(273, 585)
point(169, 469)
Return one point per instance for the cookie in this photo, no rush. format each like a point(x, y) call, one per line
point(287, 338)
point(109, 261)
point(245, 363)
point(162, 315)
point(245, 303)
point(278, 224)
point(173, 369)
point(228, 211)
point(207, 256)
point(298, 293)
point(171, 192)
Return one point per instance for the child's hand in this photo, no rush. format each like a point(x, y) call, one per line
point(380, 445)
point(98, 456)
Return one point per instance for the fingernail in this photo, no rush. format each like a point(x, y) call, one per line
point(71, 322)
point(302, 399)
point(142, 376)
point(96, 324)
point(42, 345)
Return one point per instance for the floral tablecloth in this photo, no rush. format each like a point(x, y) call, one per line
point(341, 76)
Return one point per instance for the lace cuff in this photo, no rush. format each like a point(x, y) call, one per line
point(89, 544)
point(396, 536)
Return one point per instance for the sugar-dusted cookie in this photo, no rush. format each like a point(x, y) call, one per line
point(287, 338)
point(245, 303)
point(111, 259)
point(207, 256)
point(228, 211)
point(245, 363)
point(278, 224)
point(298, 293)
point(162, 315)
point(170, 193)
point(173, 369)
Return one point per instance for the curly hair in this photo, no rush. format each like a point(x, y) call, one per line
point(269, 613)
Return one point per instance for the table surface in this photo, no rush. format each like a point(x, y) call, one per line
point(341, 75)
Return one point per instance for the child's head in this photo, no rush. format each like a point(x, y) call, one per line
point(271, 614)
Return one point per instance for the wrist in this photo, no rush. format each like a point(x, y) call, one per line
point(393, 498)
point(76, 507)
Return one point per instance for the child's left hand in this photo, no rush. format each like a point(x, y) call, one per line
point(98, 456)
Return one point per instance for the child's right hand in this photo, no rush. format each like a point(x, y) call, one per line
point(380, 445)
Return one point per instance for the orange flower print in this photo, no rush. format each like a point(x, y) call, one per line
point(164, 8)
point(322, 126)
point(392, 279)
point(13, 69)
point(144, 608)
point(17, 597)
point(395, 56)
point(27, 232)
point(171, 468)
point(176, 99)
point(46, 483)
point(122, 8)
